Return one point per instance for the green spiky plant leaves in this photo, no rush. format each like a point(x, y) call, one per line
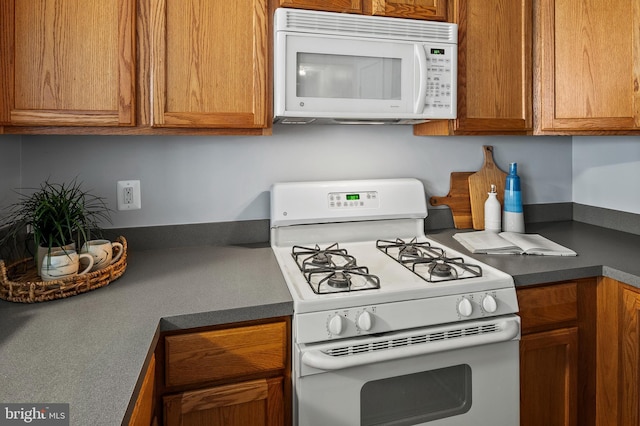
point(57, 215)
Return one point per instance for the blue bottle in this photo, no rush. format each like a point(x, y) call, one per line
point(513, 216)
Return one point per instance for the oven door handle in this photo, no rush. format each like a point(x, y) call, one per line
point(509, 330)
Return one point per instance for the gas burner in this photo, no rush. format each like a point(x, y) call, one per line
point(332, 270)
point(446, 269)
point(410, 252)
point(321, 258)
point(339, 279)
point(441, 269)
point(309, 259)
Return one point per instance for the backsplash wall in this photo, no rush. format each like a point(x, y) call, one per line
point(220, 179)
point(217, 179)
point(9, 169)
point(606, 172)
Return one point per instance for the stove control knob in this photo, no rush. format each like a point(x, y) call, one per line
point(336, 324)
point(465, 308)
point(365, 321)
point(489, 304)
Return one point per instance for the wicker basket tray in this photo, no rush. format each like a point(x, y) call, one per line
point(20, 282)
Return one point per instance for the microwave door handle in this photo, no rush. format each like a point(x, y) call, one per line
point(421, 58)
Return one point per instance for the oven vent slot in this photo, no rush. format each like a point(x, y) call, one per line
point(418, 339)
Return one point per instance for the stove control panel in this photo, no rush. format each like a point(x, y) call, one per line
point(350, 200)
point(394, 316)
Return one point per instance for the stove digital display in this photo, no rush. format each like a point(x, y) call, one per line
point(353, 200)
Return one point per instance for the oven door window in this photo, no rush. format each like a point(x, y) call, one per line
point(416, 398)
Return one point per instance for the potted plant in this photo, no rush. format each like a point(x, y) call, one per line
point(57, 215)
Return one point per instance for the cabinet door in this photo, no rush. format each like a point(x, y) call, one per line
point(353, 6)
point(588, 65)
point(629, 378)
point(144, 410)
point(434, 10)
point(494, 69)
point(209, 63)
point(548, 370)
point(558, 382)
point(257, 402)
point(67, 62)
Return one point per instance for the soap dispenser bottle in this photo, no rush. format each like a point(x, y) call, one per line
point(492, 208)
point(513, 217)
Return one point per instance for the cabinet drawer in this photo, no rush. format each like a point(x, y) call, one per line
point(228, 353)
point(255, 402)
point(547, 306)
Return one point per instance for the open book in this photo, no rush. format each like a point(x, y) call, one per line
point(510, 243)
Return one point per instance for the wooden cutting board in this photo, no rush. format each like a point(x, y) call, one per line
point(480, 184)
point(458, 200)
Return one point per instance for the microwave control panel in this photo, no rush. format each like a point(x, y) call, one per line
point(440, 71)
point(351, 200)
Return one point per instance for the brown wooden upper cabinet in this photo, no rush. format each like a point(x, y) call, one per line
point(135, 67)
point(209, 63)
point(435, 10)
point(67, 62)
point(494, 69)
point(586, 53)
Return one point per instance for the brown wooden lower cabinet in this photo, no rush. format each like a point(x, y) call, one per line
point(558, 353)
point(255, 402)
point(548, 372)
point(629, 357)
point(232, 374)
point(618, 397)
point(144, 410)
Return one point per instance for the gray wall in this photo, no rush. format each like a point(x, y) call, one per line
point(606, 172)
point(219, 179)
point(9, 169)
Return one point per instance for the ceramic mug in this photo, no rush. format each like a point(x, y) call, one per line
point(61, 264)
point(102, 252)
point(42, 252)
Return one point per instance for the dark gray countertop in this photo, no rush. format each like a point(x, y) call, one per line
point(89, 350)
point(601, 251)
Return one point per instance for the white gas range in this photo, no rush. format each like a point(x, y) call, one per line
point(370, 289)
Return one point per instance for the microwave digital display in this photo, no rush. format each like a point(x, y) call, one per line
point(437, 51)
point(353, 197)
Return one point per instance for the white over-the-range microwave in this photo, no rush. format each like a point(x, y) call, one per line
point(332, 68)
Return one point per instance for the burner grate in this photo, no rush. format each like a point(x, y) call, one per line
point(427, 261)
point(333, 270)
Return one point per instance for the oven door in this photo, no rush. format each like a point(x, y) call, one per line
point(461, 374)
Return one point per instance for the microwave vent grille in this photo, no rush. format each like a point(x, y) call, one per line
point(364, 26)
